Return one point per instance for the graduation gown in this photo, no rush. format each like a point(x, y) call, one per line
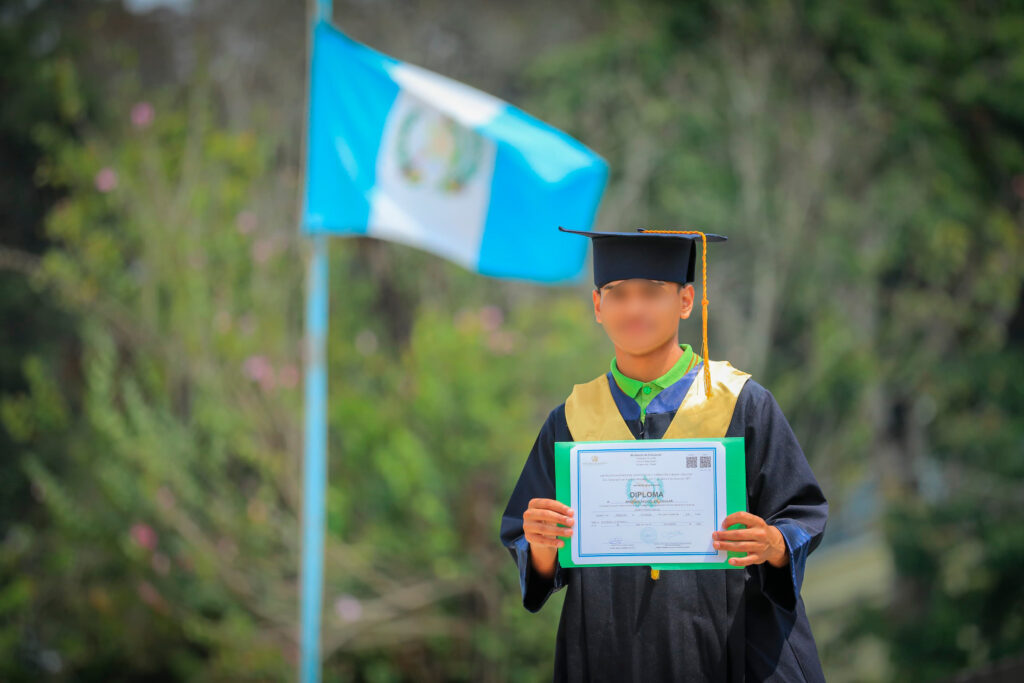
point(618, 624)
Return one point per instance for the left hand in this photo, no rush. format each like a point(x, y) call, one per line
point(761, 542)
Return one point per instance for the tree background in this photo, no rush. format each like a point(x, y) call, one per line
point(866, 160)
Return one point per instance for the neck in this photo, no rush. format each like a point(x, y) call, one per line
point(651, 365)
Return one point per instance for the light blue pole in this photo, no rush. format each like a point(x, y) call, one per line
point(314, 471)
point(323, 9)
point(314, 479)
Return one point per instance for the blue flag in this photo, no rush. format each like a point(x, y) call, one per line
point(400, 153)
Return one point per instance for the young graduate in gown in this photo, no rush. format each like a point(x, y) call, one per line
point(633, 623)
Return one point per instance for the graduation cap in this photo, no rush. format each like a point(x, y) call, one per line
point(667, 255)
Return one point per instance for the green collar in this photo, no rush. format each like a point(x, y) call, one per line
point(632, 387)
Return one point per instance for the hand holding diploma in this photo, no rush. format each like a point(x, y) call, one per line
point(761, 542)
point(541, 522)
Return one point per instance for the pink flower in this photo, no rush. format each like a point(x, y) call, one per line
point(502, 342)
point(268, 382)
point(106, 179)
point(348, 608)
point(144, 536)
point(491, 318)
point(257, 367)
point(142, 115)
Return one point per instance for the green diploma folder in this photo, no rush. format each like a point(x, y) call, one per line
point(645, 493)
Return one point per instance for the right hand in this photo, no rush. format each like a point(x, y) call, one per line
point(540, 524)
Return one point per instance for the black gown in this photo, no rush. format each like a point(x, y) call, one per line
point(618, 624)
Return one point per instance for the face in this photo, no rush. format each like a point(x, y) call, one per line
point(640, 315)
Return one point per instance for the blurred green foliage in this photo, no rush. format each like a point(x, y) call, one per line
point(866, 162)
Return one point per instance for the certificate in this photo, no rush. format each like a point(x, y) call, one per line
point(649, 502)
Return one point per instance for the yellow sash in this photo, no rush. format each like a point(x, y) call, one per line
point(592, 415)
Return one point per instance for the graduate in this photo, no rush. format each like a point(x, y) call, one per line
point(635, 623)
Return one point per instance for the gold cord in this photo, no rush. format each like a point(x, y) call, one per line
point(704, 304)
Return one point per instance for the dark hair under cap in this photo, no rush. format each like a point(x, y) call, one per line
point(670, 257)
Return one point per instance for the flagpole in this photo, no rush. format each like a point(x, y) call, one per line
point(315, 461)
point(314, 474)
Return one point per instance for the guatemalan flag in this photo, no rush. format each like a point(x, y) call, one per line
point(400, 153)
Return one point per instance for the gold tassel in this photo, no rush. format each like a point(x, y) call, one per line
point(655, 573)
point(704, 303)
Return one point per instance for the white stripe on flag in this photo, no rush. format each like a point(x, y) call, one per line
point(433, 182)
point(463, 103)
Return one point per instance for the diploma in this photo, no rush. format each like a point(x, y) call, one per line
point(650, 502)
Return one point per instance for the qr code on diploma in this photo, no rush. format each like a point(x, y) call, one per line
point(693, 460)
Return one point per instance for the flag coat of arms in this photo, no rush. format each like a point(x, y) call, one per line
point(400, 153)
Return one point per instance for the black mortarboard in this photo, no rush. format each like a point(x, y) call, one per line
point(670, 256)
point(667, 255)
